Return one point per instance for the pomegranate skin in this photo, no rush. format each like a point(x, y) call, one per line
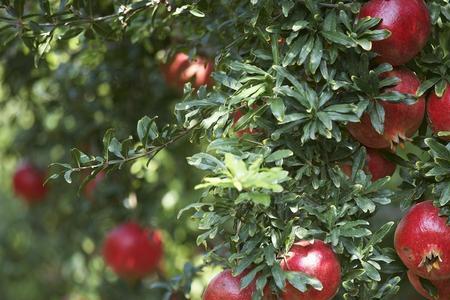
point(182, 70)
point(401, 120)
point(442, 286)
point(226, 287)
point(422, 240)
point(409, 23)
point(438, 110)
point(316, 259)
point(133, 252)
point(28, 183)
point(378, 166)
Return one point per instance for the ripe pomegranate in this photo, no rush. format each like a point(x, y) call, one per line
point(422, 240)
point(28, 183)
point(91, 186)
point(182, 70)
point(226, 286)
point(409, 23)
point(377, 166)
point(442, 286)
point(438, 110)
point(316, 259)
point(132, 251)
point(401, 120)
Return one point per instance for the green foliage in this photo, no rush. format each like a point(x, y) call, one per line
point(298, 71)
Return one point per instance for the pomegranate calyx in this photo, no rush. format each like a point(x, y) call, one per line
point(431, 261)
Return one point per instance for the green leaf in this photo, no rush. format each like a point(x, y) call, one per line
point(278, 109)
point(301, 280)
point(371, 271)
point(278, 155)
point(339, 38)
point(316, 56)
point(197, 13)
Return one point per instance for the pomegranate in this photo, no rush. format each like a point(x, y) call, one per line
point(409, 23)
point(28, 183)
point(91, 186)
point(226, 286)
point(422, 240)
point(438, 110)
point(317, 259)
point(133, 252)
point(401, 120)
point(181, 70)
point(442, 286)
point(377, 166)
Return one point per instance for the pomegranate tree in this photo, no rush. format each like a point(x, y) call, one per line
point(327, 91)
point(409, 23)
point(133, 252)
point(28, 182)
point(422, 241)
point(401, 120)
point(438, 110)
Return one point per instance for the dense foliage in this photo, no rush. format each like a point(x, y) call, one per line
point(270, 136)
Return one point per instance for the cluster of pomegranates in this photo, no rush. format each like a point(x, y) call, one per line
point(314, 258)
point(410, 26)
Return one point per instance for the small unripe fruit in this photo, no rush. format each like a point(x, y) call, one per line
point(438, 110)
point(409, 23)
point(401, 120)
point(133, 252)
point(422, 240)
point(316, 259)
point(28, 183)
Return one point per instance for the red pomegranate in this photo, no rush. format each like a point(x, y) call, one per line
point(422, 240)
point(133, 252)
point(438, 110)
point(316, 259)
point(442, 286)
point(28, 183)
point(401, 120)
point(409, 23)
point(379, 166)
point(91, 186)
point(376, 165)
point(226, 286)
point(182, 70)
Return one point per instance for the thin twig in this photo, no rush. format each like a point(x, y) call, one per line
point(152, 152)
